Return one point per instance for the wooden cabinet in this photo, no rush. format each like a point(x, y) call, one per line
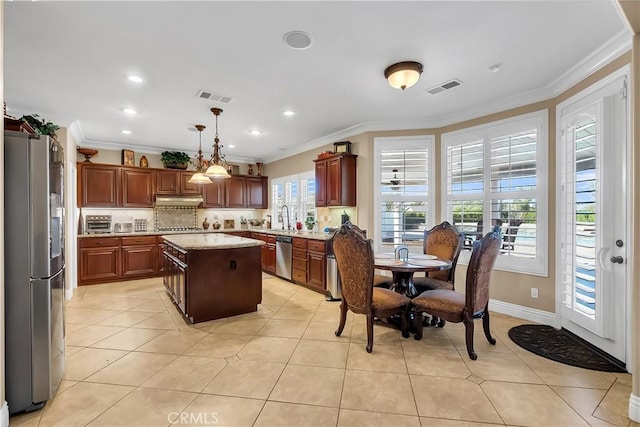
point(110, 186)
point(236, 192)
point(214, 194)
point(316, 265)
point(98, 186)
point(137, 188)
point(270, 261)
point(139, 256)
point(257, 193)
point(98, 260)
point(299, 260)
point(175, 275)
point(336, 180)
point(167, 182)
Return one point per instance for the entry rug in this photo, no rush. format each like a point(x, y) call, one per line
point(564, 347)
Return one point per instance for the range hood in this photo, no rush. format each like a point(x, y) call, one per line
point(189, 201)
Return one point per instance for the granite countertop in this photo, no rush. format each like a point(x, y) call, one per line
point(210, 241)
point(302, 234)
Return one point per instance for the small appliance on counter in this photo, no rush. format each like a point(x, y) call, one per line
point(122, 227)
point(139, 224)
point(98, 224)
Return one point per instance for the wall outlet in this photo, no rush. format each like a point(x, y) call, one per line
point(534, 292)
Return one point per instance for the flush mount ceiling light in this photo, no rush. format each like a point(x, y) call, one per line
point(288, 113)
point(126, 132)
point(216, 170)
point(255, 132)
point(403, 74)
point(199, 177)
point(129, 111)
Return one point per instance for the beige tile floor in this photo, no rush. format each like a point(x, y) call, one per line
point(133, 360)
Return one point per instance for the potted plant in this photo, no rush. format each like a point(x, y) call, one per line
point(41, 126)
point(175, 159)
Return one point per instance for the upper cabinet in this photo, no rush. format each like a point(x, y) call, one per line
point(98, 185)
point(112, 186)
point(138, 187)
point(336, 180)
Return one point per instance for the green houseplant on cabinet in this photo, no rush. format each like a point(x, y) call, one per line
point(41, 126)
point(175, 159)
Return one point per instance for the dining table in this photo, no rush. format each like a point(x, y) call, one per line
point(403, 269)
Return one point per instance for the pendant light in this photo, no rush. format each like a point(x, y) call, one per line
point(198, 177)
point(216, 170)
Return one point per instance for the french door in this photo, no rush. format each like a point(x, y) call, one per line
point(592, 221)
point(593, 199)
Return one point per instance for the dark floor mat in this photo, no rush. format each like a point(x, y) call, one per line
point(564, 347)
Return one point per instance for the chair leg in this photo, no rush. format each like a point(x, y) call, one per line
point(485, 326)
point(468, 329)
point(417, 325)
point(343, 317)
point(404, 322)
point(369, 332)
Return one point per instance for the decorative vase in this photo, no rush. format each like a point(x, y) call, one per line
point(205, 224)
point(250, 171)
point(216, 225)
point(259, 165)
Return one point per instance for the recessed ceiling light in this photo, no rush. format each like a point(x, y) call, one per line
point(126, 132)
point(135, 79)
point(255, 132)
point(495, 68)
point(288, 113)
point(298, 40)
point(129, 111)
point(231, 146)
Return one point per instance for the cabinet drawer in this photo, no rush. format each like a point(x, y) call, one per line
point(270, 239)
point(299, 275)
point(299, 243)
point(139, 240)
point(300, 253)
point(300, 264)
point(99, 242)
point(316, 245)
point(182, 256)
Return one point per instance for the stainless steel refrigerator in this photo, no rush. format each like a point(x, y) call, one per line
point(34, 269)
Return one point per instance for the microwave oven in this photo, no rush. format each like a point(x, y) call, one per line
point(96, 224)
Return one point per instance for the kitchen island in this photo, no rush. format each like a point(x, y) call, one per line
point(210, 276)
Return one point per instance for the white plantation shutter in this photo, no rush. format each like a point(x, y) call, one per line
point(493, 177)
point(404, 198)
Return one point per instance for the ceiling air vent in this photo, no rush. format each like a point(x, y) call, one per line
point(444, 86)
point(207, 94)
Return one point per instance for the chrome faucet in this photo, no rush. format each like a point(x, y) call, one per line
point(288, 220)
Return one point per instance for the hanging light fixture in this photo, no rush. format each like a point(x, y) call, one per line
point(403, 74)
point(217, 170)
point(199, 177)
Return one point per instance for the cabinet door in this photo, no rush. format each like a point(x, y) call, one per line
point(271, 258)
point(236, 189)
point(98, 186)
point(321, 183)
point(181, 287)
point(166, 275)
point(139, 260)
point(334, 182)
point(137, 188)
point(98, 264)
point(316, 270)
point(186, 187)
point(167, 182)
point(213, 194)
point(161, 261)
point(257, 193)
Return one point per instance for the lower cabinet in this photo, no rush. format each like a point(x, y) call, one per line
point(139, 257)
point(270, 263)
point(175, 276)
point(310, 263)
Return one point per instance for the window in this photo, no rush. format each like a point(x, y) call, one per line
point(298, 193)
point(495, 175)
point(404, 196)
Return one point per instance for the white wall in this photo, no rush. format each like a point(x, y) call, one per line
point(4, 411)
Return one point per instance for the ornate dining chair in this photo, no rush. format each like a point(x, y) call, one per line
point(378, 279)
point(354, 255)
point(474, 303)
point(445, 242)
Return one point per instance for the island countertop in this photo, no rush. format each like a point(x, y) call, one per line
point(210, 241)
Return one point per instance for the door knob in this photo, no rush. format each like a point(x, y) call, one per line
point(617, 259)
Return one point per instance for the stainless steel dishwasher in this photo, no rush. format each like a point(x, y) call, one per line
point(283, 256)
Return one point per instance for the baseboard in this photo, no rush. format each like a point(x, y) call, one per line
point(634, 408)
point(526, 313)
point(4, 415)
point(68, 293)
